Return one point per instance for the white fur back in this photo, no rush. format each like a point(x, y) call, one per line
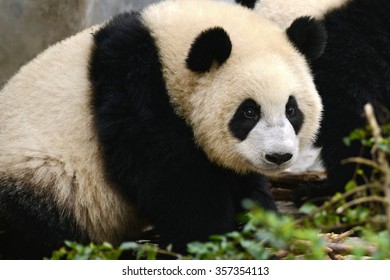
point(47, 139)
point(283, 12)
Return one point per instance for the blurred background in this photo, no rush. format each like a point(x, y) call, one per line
point(29, 26)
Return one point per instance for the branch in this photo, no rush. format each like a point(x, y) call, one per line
point(382, 158)
point(334, 200)
point(363, 161)
point(360, 201)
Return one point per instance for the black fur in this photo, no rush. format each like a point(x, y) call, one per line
point(31, 226)
point(247, 3)
point(211, 45)
point(308, 36)
point(295, 116)
point(241, 124)
point(353, 71)
point(149, 151)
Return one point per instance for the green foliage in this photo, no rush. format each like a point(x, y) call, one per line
point(105, 251)
point(265, 236)
point(358, 135)
point(381, 251)
point(334, 215)
point(365, 137)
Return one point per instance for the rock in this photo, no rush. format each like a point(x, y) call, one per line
point(29, 26)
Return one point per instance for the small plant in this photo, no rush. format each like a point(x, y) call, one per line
point(105, 251)
point(265, 236)
point(378, 186)
point(365, 204)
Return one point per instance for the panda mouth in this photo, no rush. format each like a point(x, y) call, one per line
point(267, 168)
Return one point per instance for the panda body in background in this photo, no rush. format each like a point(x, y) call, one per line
point(354, 70)
point(166, 117)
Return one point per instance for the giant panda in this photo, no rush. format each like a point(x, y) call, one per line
point(354, 70)
point(169, 116)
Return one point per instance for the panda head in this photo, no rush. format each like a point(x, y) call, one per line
point(243, 86)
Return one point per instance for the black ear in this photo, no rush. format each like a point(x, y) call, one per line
point(211, 45)
point(247, 3)
point(308, 36)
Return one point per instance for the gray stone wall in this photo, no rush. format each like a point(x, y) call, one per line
point(29, 26)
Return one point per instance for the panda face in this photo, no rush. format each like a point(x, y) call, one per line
point(267, 123)
point(259, 117)
point(268, 138)
point(242, 86)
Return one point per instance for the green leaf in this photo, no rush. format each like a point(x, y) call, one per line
point(307, 208)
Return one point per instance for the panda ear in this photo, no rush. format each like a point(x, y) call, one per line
point(247, 3)
point(308, 36)
point(212, 45)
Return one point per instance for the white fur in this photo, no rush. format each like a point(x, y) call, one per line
point(283, 12)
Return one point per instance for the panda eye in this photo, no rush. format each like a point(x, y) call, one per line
point(251, 114)
point(290, 112)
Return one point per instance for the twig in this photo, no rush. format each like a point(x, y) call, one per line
point(382, 159)
point(334, 200)
point(341, 249)
point(343, 235)
point(360, 201)
point(296, 178)
point(359, 160)
point(345, 249)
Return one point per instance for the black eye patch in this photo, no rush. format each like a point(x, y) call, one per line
point(245, 119)
point(294, 114)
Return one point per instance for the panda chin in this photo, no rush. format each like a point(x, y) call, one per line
point(272, 171)
point(269, 169)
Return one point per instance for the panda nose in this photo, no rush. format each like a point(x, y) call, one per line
point(278, 158)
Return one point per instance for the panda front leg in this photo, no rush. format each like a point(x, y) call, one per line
point(255, 187)
point(188, 212)
point(191, 210)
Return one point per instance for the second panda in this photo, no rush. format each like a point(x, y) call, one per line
point(169, 116)
point(354, 70)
